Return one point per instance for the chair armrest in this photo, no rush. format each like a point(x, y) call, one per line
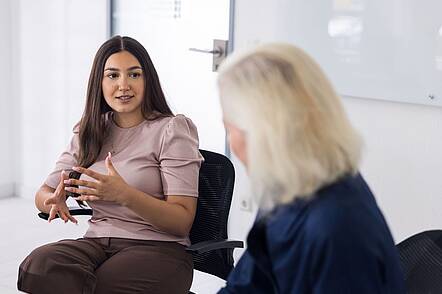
point(72, 211)
point(206, 246)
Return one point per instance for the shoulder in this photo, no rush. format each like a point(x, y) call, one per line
point(338, 228)
point(76, 128)
point(345, 207)
point(341, 209)
point(181, 122)
point(106, 117)
point(178, 125)
point(178, 134)
point(167, 122)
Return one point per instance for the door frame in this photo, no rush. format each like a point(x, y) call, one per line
point(110, 5)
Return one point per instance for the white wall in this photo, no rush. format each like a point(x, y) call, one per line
point(7, 102)
point(57, 42)
point(402, 161)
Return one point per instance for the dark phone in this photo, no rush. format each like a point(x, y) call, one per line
point(74, 175)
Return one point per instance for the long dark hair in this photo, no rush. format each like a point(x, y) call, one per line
point(92, 124)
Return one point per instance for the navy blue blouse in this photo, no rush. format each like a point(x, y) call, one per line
point(335, 242)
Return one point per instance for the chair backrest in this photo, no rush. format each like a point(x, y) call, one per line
point(421, 260)
point(216, 181)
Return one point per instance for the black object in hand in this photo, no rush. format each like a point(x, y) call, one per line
point(74, 175)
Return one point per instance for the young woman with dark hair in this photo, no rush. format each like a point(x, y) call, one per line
point(139, 168)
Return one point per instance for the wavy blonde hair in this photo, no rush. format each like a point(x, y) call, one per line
point(298, 136)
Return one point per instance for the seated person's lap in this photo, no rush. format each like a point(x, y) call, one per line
point(108, 265)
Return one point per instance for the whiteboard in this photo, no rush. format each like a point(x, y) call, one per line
point(382, 49)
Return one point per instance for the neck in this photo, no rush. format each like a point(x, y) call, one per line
point(126, 120)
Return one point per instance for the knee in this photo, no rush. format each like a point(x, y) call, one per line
point(36, 262)
point(32, 273)
point(51, 267)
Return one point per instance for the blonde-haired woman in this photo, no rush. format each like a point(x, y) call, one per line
point(319, 229)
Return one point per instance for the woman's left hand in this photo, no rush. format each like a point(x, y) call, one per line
point(110, 187)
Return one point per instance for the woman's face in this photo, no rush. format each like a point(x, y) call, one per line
point(237, 141)
point(123, 83)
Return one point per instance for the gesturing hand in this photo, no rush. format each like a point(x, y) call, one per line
point(108, 187)
point(58, 202)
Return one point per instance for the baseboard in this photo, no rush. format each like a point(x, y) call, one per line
point(7, 190)
point(25, 191)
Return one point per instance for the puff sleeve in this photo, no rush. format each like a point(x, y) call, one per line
point(179, 158)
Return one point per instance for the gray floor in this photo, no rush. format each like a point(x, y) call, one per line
point(21, 231)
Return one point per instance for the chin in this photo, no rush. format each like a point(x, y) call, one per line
point(119, 110)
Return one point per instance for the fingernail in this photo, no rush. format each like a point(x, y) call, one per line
point(66, 181)
point(109, 155)
point(76, 168)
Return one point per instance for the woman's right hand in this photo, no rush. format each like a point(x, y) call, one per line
point(58, 202)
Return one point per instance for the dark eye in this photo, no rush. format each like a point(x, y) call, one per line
point(134, 75)
point(112, 75)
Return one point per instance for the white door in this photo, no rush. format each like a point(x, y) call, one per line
point(167, 29)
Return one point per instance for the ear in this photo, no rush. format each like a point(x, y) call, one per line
point(238, 142)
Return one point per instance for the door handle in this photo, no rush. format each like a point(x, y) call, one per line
point(216, 51)
point(219, 52)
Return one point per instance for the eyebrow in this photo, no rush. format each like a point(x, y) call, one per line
point(117, 69)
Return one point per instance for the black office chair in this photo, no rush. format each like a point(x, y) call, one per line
point(421, 261)
point(212, 251)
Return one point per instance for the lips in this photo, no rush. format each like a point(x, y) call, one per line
point(124, 97)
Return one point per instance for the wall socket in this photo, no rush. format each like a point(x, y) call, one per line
point(245, 203)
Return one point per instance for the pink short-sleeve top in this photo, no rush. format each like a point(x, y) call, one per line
point(159, 157)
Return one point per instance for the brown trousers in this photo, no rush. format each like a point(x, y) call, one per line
point(105, 266)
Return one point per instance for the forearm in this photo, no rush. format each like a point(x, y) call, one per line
point(40, 197)
point(172, 218)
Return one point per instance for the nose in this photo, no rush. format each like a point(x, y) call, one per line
point(123, 84)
